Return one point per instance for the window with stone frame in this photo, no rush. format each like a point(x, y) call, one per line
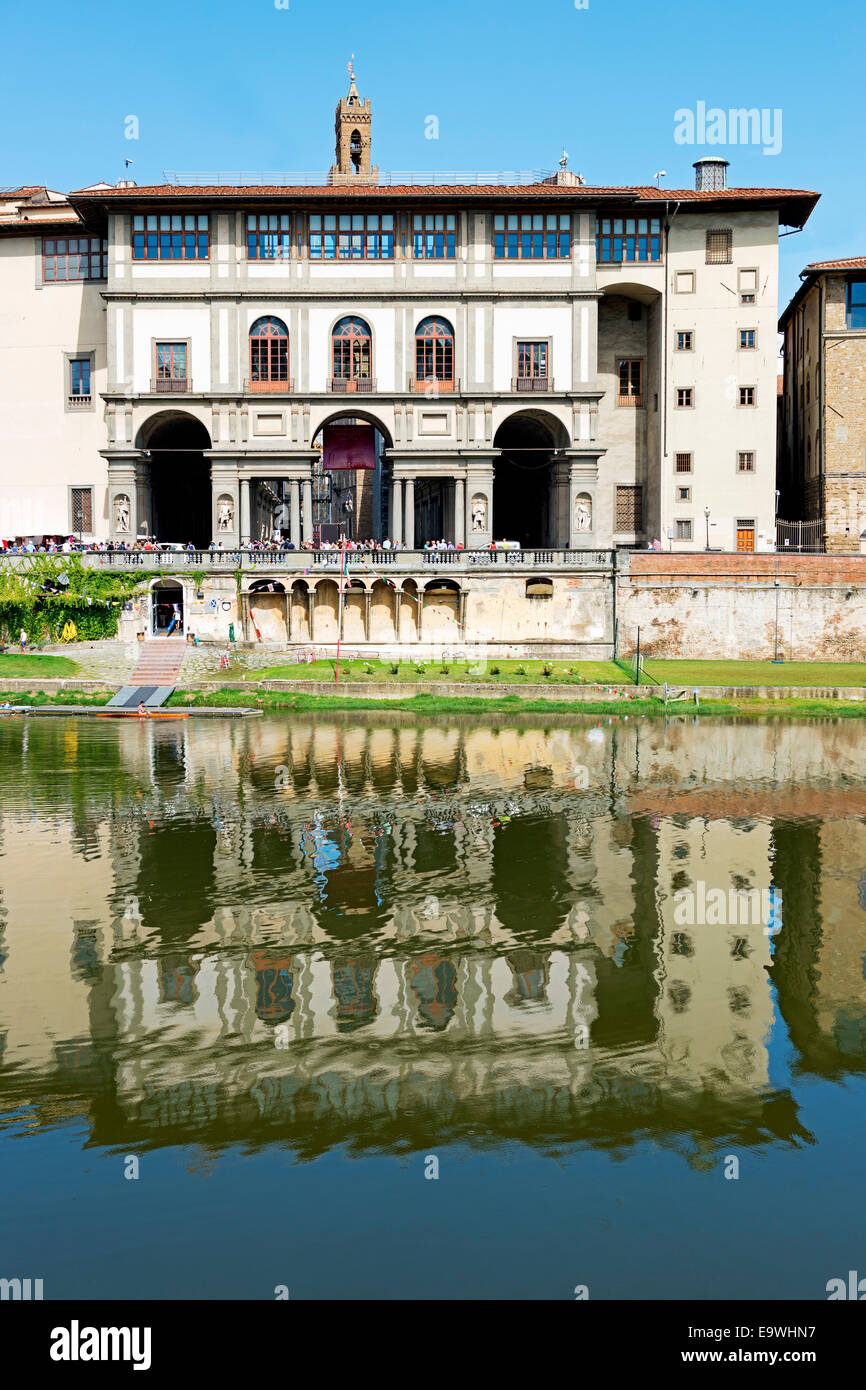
point(720, 242)
point(629, 508)
point(81, 510)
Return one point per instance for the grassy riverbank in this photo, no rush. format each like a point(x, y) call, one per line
point(16, 666)
point(626, 704)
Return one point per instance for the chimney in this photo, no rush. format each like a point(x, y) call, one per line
point(710, 174)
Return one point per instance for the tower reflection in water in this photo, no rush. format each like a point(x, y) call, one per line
point(400, 935)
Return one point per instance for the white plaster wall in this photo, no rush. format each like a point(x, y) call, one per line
point(159, 321)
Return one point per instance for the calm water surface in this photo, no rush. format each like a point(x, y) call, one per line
point(286, 964)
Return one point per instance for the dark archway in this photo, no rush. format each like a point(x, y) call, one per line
point(523, 505)
point(180, 481)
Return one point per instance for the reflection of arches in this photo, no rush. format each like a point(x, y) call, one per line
point(179, 476)
point(167, 609)
point(523, 495)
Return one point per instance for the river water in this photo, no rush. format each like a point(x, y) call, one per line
point(378, 1007)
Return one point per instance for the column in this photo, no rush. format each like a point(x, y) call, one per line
point(367, 598)
point(397, 510)
point(459, 511)
point(295, 512)
point(409, 533)
point(307, 494)
point(244, 535)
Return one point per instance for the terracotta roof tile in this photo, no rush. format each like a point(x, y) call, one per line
point(339, 192)
point(850, 263)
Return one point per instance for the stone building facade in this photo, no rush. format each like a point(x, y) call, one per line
point(549, 363)
point(822, 431)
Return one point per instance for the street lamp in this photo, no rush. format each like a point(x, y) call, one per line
point(707, 519)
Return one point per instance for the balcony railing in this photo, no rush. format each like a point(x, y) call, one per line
point(79, 402)
point(270, 387)
point(169, 385)
point(431, 386)
point(532, 383)
point(305, 562)
point(630, 399)
point(350, 384)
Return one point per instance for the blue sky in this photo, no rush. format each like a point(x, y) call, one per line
point(248, 86)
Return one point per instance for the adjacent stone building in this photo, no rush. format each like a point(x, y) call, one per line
point(822, 431)
point(540, 361)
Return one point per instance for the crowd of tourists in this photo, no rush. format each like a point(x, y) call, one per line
point(67, 545)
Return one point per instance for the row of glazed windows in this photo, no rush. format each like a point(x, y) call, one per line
point(351, 354)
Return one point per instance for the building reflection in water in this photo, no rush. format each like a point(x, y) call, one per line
point(376, 931)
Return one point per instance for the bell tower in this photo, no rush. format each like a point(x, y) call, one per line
point(353, 125)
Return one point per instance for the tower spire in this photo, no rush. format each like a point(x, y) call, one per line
point(353, 127)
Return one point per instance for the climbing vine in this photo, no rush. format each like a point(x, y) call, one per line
point(51, 593)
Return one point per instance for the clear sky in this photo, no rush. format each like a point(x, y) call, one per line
point(252, 84)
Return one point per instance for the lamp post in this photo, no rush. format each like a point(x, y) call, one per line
point(707, 520)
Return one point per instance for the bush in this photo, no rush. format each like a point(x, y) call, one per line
point(444, 670)
point(494, 671)
point(547, 669)
point(520, 670)
point(394, 668)
point(420, 667)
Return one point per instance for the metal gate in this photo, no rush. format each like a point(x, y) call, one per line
point(800, 535)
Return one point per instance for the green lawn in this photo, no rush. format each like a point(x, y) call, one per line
point(16, 665)
point(815, 673)
point(496, 671)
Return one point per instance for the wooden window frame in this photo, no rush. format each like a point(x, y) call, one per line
point(431, 243)
point(726, 254)
point(258, 382)
point(631, 399)
point(685, 332)
point(442, 346)
point(60, 252)
point(686, 491)
point(685, 405)
point(258, 238)
point(747, 347)
point(354, 352)
point(352, 236)
point(550, 241)
point(745, 472)
point(158, 381)
point(747, 405)
point(620, 241)
point(186, 232)
point(519, 346)
point(684, 521)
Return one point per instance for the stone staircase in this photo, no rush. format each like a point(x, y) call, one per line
point(155, 674)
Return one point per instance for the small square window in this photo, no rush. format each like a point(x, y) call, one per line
point(684, 282)
point(684, 494)
point(683, 530)
point(683, 463)
point(685, 341)
point(745, 461)
point(747, 395)
point(748, 338)
point(685, 397)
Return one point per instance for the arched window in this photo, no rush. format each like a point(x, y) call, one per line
point(269, 354)
point(352, 355)
point(434, 353)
